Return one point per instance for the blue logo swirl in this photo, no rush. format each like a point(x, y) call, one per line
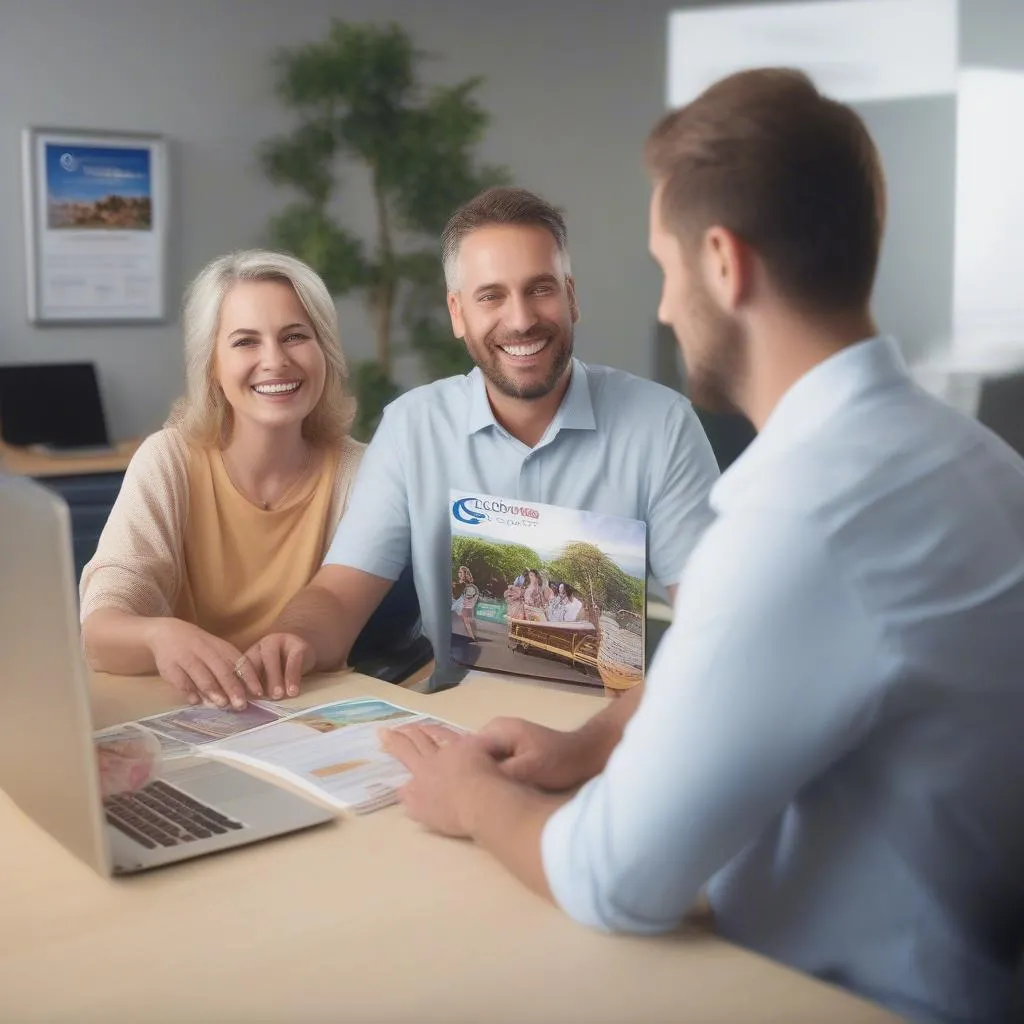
point(464, 514)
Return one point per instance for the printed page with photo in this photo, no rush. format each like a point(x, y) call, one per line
point(546, 591)
point(195, 726)
point(332, 751)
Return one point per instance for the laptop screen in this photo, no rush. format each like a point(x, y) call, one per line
point(55, 404)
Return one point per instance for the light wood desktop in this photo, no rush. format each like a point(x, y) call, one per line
point(26, 462)
point(368, 919)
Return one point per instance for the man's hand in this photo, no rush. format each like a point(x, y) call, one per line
point(202, 667)
point(445, 766)
point(536, 755)
point(282, 659)
point(458, 789)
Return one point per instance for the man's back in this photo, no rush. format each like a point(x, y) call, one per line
point(913, 841)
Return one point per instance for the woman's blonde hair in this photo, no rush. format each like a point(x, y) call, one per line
point(203, 415)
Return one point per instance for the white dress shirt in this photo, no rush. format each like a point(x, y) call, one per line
point(832, 736)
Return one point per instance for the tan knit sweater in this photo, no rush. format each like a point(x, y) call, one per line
point(225, 565)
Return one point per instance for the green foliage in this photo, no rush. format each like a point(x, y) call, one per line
point(597, 577)
point(358, 98)
point(426, 323)
point(309, 233)
point(374, 390)
point(433, 341)
point(494, 566)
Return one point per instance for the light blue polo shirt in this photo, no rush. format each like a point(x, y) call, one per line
point(618, 444)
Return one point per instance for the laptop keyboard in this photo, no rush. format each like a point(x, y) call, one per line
point(162, 815)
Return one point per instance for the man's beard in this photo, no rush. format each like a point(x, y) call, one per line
point(714, 358)
point(484, 355)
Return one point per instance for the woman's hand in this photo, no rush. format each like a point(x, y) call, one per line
point(202, 667)
point(282, 659)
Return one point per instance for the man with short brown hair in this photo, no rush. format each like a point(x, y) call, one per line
point(829, 740)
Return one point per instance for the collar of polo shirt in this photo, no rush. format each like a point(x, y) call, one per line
point(575, 413)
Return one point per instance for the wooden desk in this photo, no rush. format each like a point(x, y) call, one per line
point(25, 462)
point(371, 919)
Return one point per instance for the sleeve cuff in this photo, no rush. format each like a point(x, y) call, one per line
point(581, 882)
point(570, 883)
point(386, 568)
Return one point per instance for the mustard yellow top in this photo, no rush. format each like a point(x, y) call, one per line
point(243, 564)
point(181, 540)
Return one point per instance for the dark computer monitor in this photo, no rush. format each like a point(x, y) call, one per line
point(1001, 408)
point(53, 404)
point(728, 434)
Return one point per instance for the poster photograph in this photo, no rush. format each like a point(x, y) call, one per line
point(95, 226)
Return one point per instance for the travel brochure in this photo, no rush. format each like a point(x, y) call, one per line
point(332, 750)
point(546, 591)
point(195, 726)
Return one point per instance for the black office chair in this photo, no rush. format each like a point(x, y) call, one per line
point(999, 408)
point(729, 434)
point(391, 645)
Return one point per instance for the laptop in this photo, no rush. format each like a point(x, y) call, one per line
point(47, 756)
point(54, 408)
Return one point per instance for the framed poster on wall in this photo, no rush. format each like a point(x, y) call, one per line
point(96, 217)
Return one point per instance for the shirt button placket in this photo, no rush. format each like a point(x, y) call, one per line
point(529, 479)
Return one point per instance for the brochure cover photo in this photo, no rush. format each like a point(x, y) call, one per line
point(546, 591)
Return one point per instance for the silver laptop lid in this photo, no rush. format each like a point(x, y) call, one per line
point(47, 762)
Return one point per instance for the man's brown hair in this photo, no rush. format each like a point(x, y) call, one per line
point(793, 174)
point(500, 205)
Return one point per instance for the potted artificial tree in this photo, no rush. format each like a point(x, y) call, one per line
point(359, 100)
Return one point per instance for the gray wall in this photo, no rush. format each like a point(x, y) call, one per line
point(992, 33)
point(914, 288)
point(917, 140)
point(573, 86)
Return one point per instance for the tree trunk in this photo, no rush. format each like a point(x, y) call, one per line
point(384, 294)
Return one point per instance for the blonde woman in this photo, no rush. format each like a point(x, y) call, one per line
point(226, 513)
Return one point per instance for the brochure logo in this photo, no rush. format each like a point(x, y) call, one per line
point(465, 514)
point(474, 511)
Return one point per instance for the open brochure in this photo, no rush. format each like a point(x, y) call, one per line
point(546, 591)
point(181, 731)
point(332, 751)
